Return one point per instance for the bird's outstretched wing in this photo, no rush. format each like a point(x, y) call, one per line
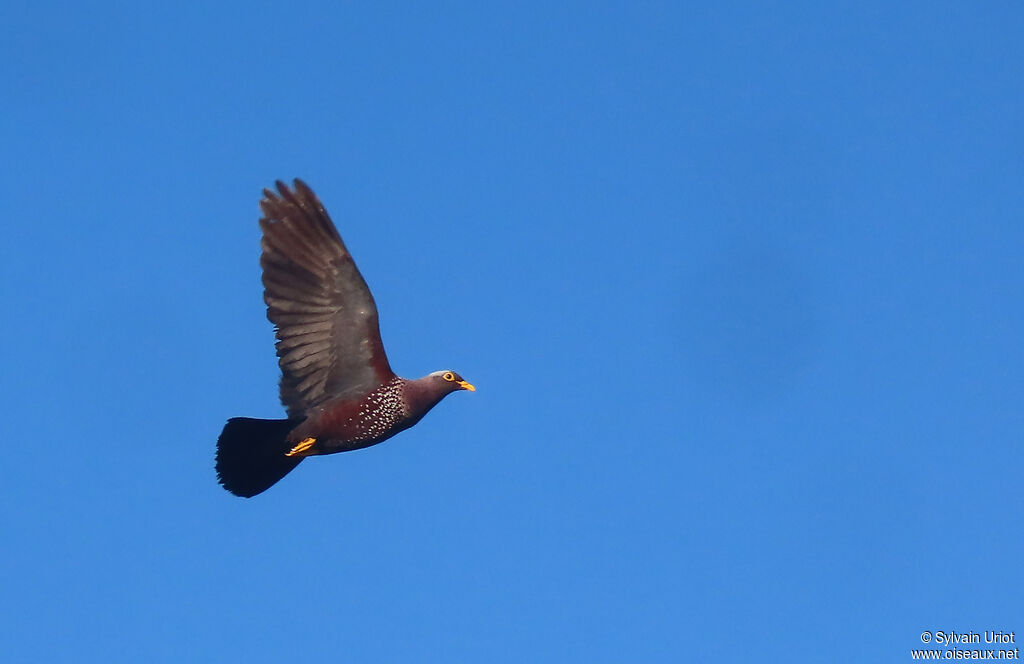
point(328, 339)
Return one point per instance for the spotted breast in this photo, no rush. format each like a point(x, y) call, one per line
point(352, 425)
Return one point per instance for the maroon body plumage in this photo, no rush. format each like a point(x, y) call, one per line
point(336, 382)
point(345, 424)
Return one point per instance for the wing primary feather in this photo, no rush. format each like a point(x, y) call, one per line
point(302, 339)
point(290, 306)
point(275, 265)
point(304, 322)
point(296, 360)
point(298, 295)
point(292, 248)
point(289, 234)
point(283, 219)
point(304, 199)
point(305, 350)
point(305, 223)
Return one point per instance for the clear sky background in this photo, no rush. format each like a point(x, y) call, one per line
point(741, 287)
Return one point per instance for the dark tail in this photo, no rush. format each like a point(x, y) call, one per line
point(251, 454)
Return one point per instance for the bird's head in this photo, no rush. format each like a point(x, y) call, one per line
point(451, 380)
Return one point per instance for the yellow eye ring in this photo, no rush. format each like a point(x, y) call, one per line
point(448, 376)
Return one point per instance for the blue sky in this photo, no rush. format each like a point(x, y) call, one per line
point(740, 286)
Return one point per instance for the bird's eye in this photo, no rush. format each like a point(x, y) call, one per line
point(448, 376)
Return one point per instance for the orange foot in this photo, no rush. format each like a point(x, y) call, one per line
point(302, 449)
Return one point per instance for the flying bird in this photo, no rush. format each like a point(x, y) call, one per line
point(337, 386)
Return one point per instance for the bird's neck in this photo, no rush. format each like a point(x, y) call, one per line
point(421, 395)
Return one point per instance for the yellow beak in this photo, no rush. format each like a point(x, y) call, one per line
point(466, 386)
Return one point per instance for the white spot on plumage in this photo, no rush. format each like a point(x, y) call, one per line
point(379, 412)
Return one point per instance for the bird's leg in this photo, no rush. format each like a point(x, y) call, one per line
point(302, 449)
